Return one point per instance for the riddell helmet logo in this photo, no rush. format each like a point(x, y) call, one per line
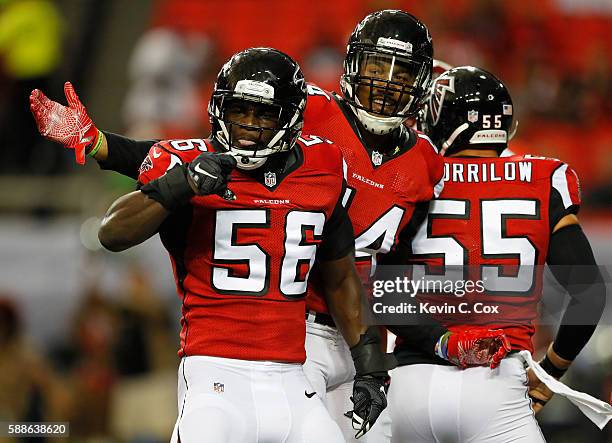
point(443, 84)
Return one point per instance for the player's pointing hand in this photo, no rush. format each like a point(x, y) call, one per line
point(209, 173)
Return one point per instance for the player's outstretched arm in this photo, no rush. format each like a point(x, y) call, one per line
point(571, 260)
point(72, 127)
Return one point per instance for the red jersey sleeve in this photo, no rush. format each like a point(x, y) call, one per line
point(565, 195)
point(165, 155)
point(156, 163)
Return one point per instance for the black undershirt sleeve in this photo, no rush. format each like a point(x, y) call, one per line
point(422, 336)
point(571, 261)
point(125, 155)
point(338, 237)
point(402, 253)
point(556, 208)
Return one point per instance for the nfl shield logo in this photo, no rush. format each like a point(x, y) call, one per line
point(219, 388)
point(377, 158)
point(270, 179)
point(472, 116)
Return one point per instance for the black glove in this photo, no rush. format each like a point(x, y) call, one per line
point(208, 174)
point(369, 400)
point(371, 381)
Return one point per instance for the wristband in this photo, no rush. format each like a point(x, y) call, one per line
point(96, 145)
point(551, 369)
point(441, 348)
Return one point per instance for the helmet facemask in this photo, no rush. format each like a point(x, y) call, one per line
point(254, 127)
point(384, 86)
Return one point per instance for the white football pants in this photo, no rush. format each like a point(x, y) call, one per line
point(223, 400)
point(330, 370)
point(445, 404)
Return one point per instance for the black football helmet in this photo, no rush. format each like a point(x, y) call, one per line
point(468, 108)
point(401, 43)
point(273, 83)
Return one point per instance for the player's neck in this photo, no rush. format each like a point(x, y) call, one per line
point(475, 153)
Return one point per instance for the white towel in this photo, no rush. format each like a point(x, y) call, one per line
point(599, 412)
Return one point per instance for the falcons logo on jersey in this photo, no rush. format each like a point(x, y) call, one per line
point(443, 84)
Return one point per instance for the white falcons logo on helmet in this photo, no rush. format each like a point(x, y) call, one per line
point(443, 83)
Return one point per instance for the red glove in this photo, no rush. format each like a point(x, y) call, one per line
point(69, 125)
point(474, 347)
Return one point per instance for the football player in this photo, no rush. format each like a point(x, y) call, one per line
point(493, 214)
point(392, 173)
point(242, 253)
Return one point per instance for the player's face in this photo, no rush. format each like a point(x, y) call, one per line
point(388, 76)
point(251, 123)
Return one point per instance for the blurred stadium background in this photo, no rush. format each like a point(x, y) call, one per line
point(90, 337)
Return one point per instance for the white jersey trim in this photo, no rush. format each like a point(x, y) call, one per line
point(429, 140)
point(439, 187)
point(559, 182)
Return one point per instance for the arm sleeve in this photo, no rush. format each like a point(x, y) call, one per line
point(571, 261)
point(338, 237)
point(125, 155)
point(564, 194)
point(402, 252)
point(423, 336)
point(425, 333)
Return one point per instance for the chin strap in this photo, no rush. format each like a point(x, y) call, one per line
point(247, 163)
point(377, 125)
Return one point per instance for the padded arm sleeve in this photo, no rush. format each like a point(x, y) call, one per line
point(571, 261)
point(125, 155)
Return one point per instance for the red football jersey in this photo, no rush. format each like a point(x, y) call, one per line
point(493, 215)
point(242, 266)
point(383, 192)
